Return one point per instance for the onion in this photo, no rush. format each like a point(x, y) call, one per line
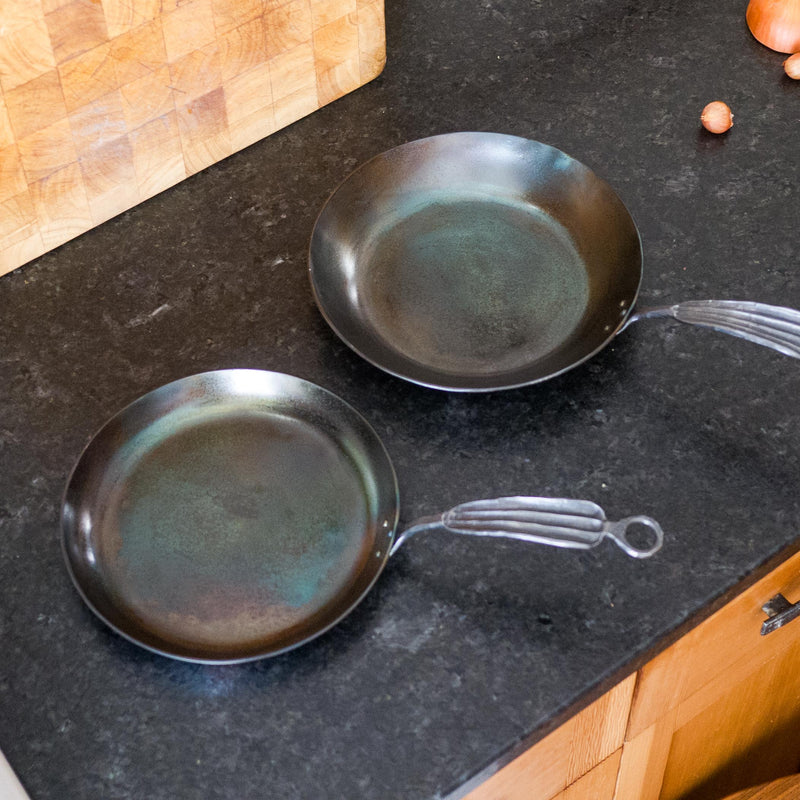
point(716, 117)
point(792, 66)
point(775, 23)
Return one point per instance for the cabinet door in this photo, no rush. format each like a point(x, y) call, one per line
point(597, 784)
point(717, 711)
point(731, 635)
point(592, 738)
point(747, 734)
point(720, 709)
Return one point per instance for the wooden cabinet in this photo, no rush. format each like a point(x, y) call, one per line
point(716, 712)
point(590, 742)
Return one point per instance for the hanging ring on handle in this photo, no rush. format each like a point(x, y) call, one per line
point(618, 531)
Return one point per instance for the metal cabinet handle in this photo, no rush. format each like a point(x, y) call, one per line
point(779, 612)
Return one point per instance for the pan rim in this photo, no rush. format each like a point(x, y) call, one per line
point(465, 383)
point(391, 520)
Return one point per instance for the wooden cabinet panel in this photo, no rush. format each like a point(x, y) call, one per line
point(720, 709)
point(569, 753)
point(782, 789)
point(596, 784)
point(716, 712)
point(748, 735)
point(644, 759)
point(730, 635)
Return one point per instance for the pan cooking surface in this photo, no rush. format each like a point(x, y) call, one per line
point(474, 286)
point(229, 525)
point(475, 261)
point(263, 512)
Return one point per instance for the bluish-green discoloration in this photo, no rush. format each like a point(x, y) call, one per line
point(233, 511)
point(474, 285)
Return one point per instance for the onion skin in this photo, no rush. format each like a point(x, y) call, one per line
point(716, 117)
point(775, 23)
point(792, 67)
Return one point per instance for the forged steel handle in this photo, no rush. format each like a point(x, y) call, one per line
point(577, 524)
point(772, 326)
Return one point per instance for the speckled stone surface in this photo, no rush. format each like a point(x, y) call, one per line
point(464, 650)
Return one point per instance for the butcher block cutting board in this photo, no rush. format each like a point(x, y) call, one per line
point(105, 103)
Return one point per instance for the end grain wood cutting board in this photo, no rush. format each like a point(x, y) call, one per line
point(104, 103)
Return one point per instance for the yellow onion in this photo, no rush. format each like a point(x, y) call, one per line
point(792, 67)
point(717, 117)
point(775, 23)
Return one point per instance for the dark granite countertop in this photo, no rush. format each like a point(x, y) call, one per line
point(465, 650)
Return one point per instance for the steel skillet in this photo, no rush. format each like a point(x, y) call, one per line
point(236, 514)
point(481, 261)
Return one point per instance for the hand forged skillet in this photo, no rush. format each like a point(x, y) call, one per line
point(229, 515)
point(233, 515)
point(480, 261)
point(475, 261)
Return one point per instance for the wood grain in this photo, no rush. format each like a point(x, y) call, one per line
point(716, 712)
point(732, 634)
point(567, 754)
point(720, 709)
point(104, 103)
point(787, 788)
point(644, 759)
point(598, 783)
point(748, 732)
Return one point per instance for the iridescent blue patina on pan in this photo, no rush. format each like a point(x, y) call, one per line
point(229, 515)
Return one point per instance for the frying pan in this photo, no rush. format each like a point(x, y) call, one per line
point(481, 261)
point(236, 514)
